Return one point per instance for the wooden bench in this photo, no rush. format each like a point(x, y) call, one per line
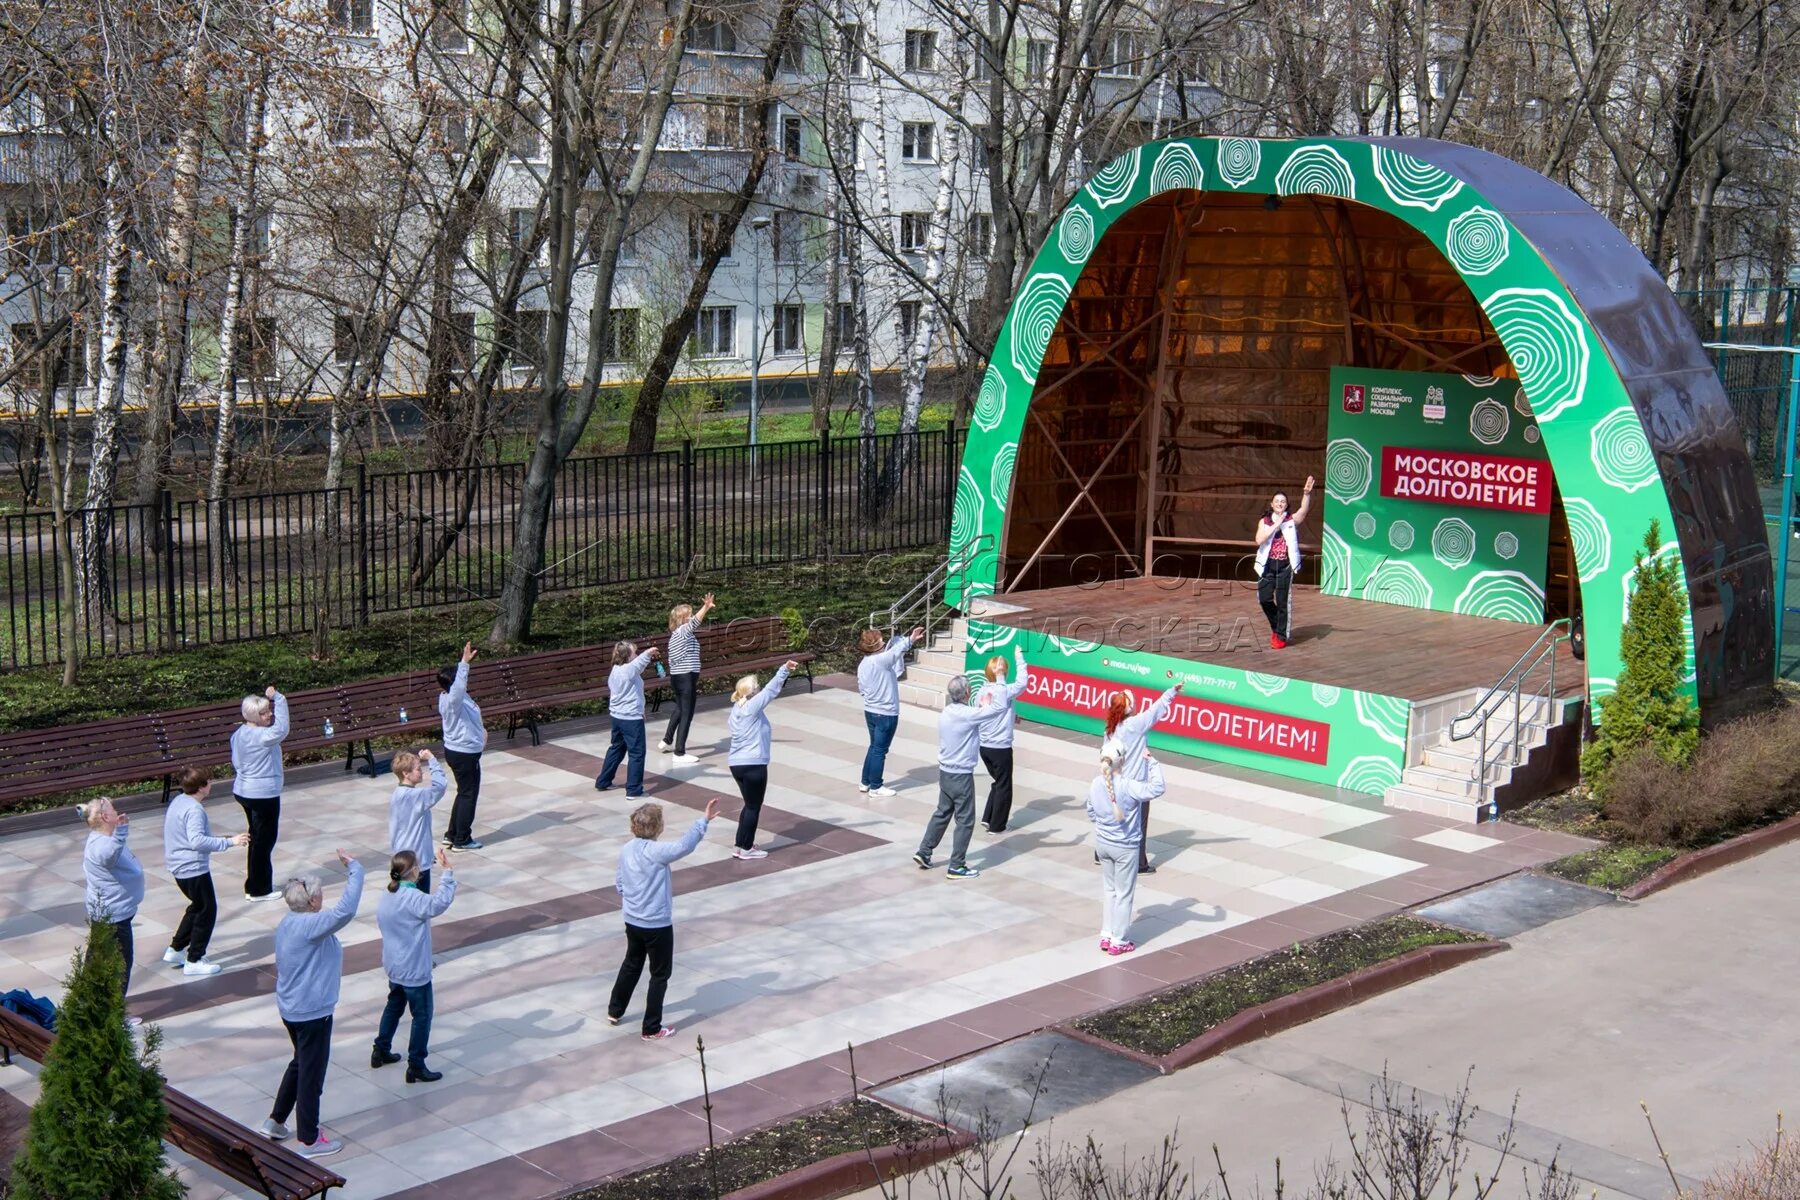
point(201, 1132)
point(127, 750)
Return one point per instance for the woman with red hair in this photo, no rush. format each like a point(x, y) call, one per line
point(1127, 745)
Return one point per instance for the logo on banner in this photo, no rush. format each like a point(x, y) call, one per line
point(1261, 732)
point(1353, 397)
point(1471, 480)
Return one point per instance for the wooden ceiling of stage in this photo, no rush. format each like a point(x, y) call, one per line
point(1187, 378)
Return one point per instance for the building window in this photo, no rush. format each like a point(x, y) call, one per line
point(792, 138)
point(856, 145)
point(981, 54)
point(1038, 61)
point(1124, 54)
point(703, 228)
point(256, 247)
point(981, 234)
point(787, 238)
point(722, 124)
point(61, 358)
point(914, 228)
point(715, 333)
point(846, 324)
point(522, 338)
point(788, 325)
point(793, 53)
point(456, 134)
point(622, 335)
point(916, 141)
point(347, 344)
point(352, 120)
point(527, 143)
point(521, 229)
point(450, 26)
point(979, 155)
point(921, 50)
point(255, 357)
point(850, 51)
point(31, 238)
point(353, 16)
point(711, 31)
point(909, 321)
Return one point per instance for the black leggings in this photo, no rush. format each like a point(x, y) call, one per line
point(752, 783)
point(264, 817)
point(1274, 590)
point(687, 688)
point(196, 927)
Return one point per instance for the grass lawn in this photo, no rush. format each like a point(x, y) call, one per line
point(1169, 1020)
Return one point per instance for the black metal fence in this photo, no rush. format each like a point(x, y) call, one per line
point(183, 573)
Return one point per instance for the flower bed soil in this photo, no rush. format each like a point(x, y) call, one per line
point(846, 1128)
point(1163, 1023)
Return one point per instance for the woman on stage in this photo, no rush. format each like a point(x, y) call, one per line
point(1278, 561)
point(1126, 745)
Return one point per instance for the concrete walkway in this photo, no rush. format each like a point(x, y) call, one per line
point(1684, 1001)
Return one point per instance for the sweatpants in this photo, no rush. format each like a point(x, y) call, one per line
point(753, 782)
point(264, 819)
point(196, 928)
point(658, 947)
point(466, 767)
point(956, 798)
point(304, 1081)
point(1273, 590)
point(1118, 888)
point(999, 763)
point(687, 690)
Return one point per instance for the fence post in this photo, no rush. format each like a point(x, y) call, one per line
point(950, 468)
point(362, 544)
point(687, 505)
point(170, 625)
point(823, 544)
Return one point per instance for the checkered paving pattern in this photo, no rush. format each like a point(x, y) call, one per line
point(834, 940)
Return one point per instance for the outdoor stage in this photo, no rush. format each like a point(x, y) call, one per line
point(1356, 697)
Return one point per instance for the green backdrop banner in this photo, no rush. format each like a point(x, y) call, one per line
point(1439, 492)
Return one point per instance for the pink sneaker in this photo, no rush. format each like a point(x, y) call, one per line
point(664, 1032)
point(1118, 948)
point(1106, 945)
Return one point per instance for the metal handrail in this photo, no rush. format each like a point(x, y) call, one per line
point(922, 593)
point(1511, 685)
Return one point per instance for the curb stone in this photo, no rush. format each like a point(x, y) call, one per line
point(1710, 858)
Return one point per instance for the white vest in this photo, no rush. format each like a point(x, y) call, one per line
point(1292, 539)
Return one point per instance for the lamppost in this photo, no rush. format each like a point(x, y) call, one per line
point(757, 226)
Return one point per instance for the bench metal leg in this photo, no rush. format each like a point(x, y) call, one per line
point(168, 787)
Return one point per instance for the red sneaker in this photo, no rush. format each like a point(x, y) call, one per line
point(1277, 642)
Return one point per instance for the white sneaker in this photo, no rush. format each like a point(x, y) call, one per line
point(753, 852)
point(202, 967)
point(663, 747)
point(259, 899)
point(274, 1130)
point(862, 787)
point(134, 1022)
point(883, 791)
point(320, 1148)
point(684, 760)
point(174, 957)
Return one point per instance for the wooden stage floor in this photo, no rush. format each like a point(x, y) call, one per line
point(1412, 653)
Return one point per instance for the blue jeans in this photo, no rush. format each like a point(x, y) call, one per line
point(882, 727)
point(627, 738)
point(418, 1044)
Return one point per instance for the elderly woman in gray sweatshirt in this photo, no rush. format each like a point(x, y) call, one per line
point(409, 809)
point(751, 736)
point(256, 765)
point(404, 916)
point(115, 878)
point(309, 967)
point(878, 679)
point(1116, 806)
point(188, 847)
point(625, 707)
point(960, 726)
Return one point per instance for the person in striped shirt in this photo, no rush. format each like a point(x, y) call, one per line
point(684, 676)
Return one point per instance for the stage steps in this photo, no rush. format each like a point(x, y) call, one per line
point(1443, 782)
point(931, 668)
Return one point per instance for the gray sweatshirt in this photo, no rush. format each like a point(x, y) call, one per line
point(749, 725)
point(1000, 736)
point(959, 731)
point(309, 960)
point(625, 689)
point(256, 756)
point(115, 878)
point(404, 918)
point(645, 882)
point(1127, 745)
point(188, 841)
point(878, 678)
point(1130, 794)
point(463, 730)
point(409, 814)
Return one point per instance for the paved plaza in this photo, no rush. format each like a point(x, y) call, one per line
point(834, 939)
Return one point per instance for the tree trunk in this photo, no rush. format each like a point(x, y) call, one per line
point(828, 342)
point(115, 308)
point(231, 323)
point(648, 405)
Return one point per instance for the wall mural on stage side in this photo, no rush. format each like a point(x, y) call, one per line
point(1349, 739)
point(1438, 493)
point(1585, 419)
